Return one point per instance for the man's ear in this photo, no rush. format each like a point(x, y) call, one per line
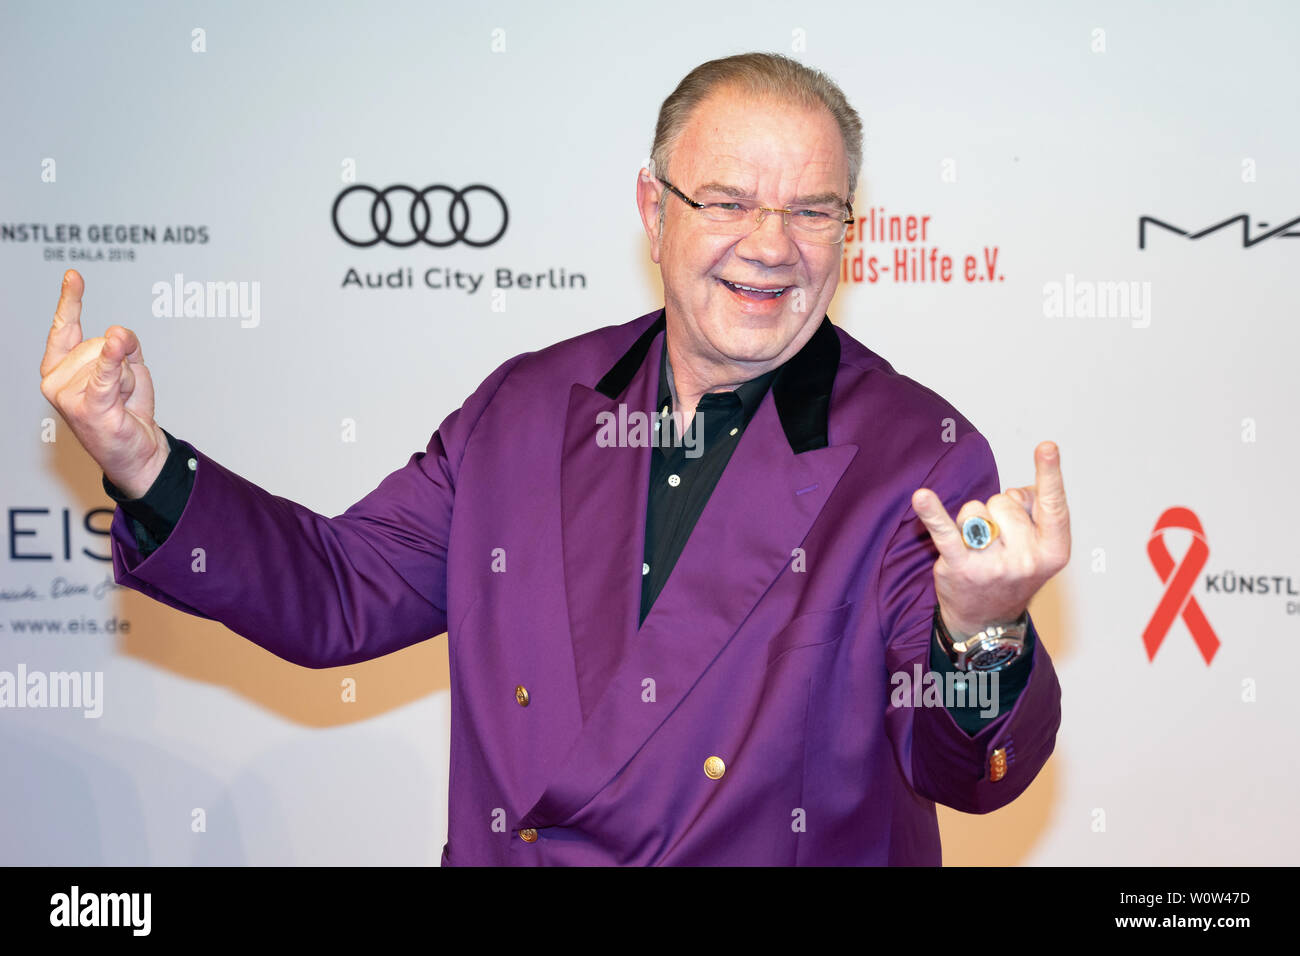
point(649, 194)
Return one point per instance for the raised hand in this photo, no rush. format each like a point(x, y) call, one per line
point(103, 391)
point(994, 585)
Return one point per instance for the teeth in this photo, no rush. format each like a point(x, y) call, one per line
point(750, 288)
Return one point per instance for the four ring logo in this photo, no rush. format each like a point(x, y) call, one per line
point(436, 215)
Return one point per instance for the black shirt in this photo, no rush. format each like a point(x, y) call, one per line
point(685, 466)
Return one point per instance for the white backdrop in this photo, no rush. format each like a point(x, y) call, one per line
point(1034, 138)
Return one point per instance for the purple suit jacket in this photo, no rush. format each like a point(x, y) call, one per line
point(521, 534)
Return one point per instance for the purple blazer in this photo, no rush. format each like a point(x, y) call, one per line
point(579, 738)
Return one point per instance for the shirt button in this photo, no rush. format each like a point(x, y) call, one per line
point(529, 835)
point(645, 569)
point(714, 768)
point(521, 695)
point(674, 481)
point(734, 432)
point(193, 464)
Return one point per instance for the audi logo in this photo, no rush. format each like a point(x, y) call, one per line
point(428, 218)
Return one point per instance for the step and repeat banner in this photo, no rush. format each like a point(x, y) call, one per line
point(329, 222)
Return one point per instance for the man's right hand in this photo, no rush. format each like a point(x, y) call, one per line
point(103, 391)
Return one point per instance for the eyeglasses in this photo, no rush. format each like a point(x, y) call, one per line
point(820, 224)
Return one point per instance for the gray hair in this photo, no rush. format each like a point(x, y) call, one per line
point(762, 75)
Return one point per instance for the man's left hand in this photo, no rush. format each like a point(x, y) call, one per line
point(994, 585)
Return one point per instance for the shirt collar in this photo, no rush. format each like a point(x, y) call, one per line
point(750, 393)
point(801, 388)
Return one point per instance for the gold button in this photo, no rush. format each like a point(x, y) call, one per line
point(521, 695)
point(528, 836)
point(997, 765)
point(714, 768)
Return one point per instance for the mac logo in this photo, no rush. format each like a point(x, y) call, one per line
point(1247, 240)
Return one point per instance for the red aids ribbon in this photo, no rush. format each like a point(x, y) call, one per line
point(1179, 582)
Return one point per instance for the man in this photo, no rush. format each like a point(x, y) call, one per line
point(685, 563)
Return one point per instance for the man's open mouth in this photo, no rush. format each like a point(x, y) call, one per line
point(756, 292)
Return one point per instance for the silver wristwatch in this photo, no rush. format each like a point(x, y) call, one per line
point(991, 649)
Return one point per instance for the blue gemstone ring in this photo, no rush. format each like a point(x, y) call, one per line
point(978, 533)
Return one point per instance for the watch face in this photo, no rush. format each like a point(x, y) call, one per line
point(994, 654)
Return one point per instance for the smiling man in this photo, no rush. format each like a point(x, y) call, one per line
point(742, 298)
point(662, 651)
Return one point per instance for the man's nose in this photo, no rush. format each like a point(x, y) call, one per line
point(769, 242)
